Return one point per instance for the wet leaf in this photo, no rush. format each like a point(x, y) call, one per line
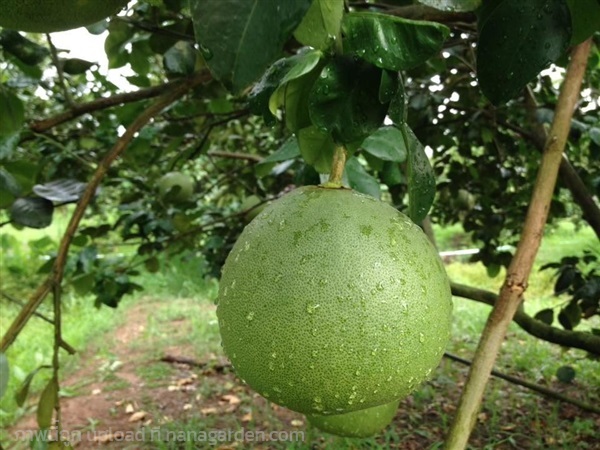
point(391, 42)
point(255, 33)
point(321, 24)
point(516, 41)
point(421, 180)
point(545, 315)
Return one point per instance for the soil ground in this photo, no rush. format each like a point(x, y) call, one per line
point(123, 385)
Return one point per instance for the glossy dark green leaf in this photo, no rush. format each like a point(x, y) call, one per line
point(565, 374)
point(392, 42)
point(294, 89)
point(32, 212)
point(516, 41)
point(23, 390)
point(345, 99)
point(4, 374)
point(316, 147)
point(12, 113)
point(240, 39)
point(398, 110)
point(546, 316)
point(585, 19)
point(386, 143)
point(453, 5)
point(286, 69)
point(180, 59)
point(115, 45)
point(46, 404)
point(321, 24)
point(421, 180)
point(61, 191)
point(360, 180)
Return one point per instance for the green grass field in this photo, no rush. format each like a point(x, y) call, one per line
point(181, 288)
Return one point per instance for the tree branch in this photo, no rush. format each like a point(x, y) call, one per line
point(568, 174)
point(517, 275)
point(576, 339)
point(532, 386)
point(39, 126)
point(175, 91)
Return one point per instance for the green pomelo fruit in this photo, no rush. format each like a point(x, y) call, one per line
point(358, 424)
point(47, 16)
point(176, 187)
point(331, 301)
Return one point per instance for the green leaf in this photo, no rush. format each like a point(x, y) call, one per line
point(240, 39)
point(570, 316)
point(283, 69)
point(23, 390)
point(421, 180)
point(32, 212)
point(4, 373)
point(294, 89)
point(345, 99)
point(12, 113)
point(546, 316)
point(387, 144)
point(8, 145)
point(392, 42)
point(360, 180)
point(392, 175)
point(565, 374)
point(316, 147)
point(152, 265)
point(288, 150)
point(321, 24)
point(46, 404)
point(516, 41)
point(453, 5)
point(76, 66)
point(9, 188)
point(180, 59)
point(83, 284)
point(585, 19)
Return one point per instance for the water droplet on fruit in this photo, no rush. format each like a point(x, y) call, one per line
point(310, 308)
point(276, 389)
point(250, 316)
point(421, 338)
point(274, 355)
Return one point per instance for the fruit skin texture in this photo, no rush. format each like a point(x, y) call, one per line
point(47, 16)
point(357, 424)
point(169, 180)
point(331, 301)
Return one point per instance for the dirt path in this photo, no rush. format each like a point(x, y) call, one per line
point(112, 402)
point(123, 395)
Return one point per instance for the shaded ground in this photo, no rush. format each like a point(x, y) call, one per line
point(122, 387)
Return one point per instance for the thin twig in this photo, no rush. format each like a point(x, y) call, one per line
point(59, 70)
point(101, 103)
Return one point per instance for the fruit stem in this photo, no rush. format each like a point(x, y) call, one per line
point(337, 166)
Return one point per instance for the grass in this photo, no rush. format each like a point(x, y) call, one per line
point(183, 321)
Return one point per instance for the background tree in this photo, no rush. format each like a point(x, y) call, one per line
point(254, 114)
